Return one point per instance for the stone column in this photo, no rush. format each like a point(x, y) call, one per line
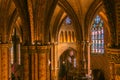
point(52, 62)
point(84, 58)
point(56, 60)
point(79, 57)
point(33, 66)
point(88, 46)
point(18, 54)
point(42, 53)
point(36, 66)
point(4, 61)
point(64, 36)
point(0, 65)
point(49, 63)
point(10, 60)
point(71, 36)
point(68, 34)
point(33, 63)
point(25, 62)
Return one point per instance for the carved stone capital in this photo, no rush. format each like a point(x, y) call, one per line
point(35, 49)
point(5, 45)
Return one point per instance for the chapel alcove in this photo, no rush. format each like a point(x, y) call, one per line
point(68, 65)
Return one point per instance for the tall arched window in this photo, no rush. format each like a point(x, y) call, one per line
point(97, 36)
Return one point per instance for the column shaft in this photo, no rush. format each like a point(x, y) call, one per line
point(25, 62)
point(36, 66)
point(42, 66)
point(0, 65)
point(4, 61)
point(89, 59)
point(26, 66)
point(33, 66)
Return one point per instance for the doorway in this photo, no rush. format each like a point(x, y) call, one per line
point(68, 64)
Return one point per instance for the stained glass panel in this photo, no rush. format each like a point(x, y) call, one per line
point(68, 20)
point(97, 36)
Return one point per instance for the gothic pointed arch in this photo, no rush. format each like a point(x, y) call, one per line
point(70, 12)
point(49, 13)
point(23, 11)
point(91, 14)
point(68, 63)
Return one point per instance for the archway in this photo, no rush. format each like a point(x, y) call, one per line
point(68, 64)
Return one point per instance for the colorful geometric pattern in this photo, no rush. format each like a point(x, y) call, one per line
point(97, 36)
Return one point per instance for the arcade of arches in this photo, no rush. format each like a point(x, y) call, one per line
point(59, 40)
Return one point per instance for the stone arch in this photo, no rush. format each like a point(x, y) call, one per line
point(67, 62)
point(13, 25)
point(23, 27)
point(70, 12)
point(48, 17)
point(95, 8)
point(19, 31)
point(90, 15)
point(64, 47)
point(69, 49)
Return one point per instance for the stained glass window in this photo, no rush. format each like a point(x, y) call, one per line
point(97, 36)
point(68, 21)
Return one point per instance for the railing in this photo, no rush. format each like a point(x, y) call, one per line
point(113, 55)
point(114, 61)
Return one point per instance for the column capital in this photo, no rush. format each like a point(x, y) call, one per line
point(35, 49)
point(6, 45)
point(54, 43)
point(86, 42)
